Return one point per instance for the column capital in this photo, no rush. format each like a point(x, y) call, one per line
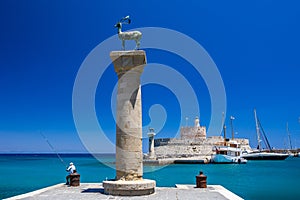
point(125, 61)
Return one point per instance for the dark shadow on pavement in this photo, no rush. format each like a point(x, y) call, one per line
point(93, 190)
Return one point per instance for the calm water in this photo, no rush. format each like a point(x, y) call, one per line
point(254, 180)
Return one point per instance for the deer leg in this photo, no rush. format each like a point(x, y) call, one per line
point(123, 44)
point(137, 44)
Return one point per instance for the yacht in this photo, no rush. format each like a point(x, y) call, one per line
point(261, 154)
point(230, 152)
point(264, 155)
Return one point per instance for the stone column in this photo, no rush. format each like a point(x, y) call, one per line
point(129, 66)
point(151, 135)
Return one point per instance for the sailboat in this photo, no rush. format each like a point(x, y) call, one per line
point(260, 154)
point(290, 150)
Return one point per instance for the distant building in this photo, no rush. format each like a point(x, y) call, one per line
point(195, 132)
point(191, 143)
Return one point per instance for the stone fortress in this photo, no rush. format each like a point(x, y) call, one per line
point(191, 144)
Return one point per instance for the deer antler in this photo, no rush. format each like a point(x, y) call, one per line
point(125, 20)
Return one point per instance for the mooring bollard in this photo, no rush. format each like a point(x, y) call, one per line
point(74, 179)
point(201, 180)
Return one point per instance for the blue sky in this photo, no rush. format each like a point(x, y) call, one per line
point(254, 44)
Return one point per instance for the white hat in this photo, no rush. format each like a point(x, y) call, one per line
point(71, 163)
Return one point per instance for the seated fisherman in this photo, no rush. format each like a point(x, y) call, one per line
point(71, 169)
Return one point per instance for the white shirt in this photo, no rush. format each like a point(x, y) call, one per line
point(71, 169)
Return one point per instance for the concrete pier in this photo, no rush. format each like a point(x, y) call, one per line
point(129, 66)
point(91, 191)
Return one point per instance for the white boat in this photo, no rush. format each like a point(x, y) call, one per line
point(260, 154)
point(228, 151)
point(231, 153)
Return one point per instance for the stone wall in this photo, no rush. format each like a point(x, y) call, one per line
point(181, 148)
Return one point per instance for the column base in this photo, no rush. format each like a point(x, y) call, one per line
point(129, 188)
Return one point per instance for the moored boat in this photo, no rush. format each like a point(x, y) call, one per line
point(260, 154)
point(228, 151)
point(228, 154)
point(265, 156)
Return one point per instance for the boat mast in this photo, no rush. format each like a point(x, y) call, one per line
point(257, 131)
point(289, 135)
point(231, 124)
point(224, 127)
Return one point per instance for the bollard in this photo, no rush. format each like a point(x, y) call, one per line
point(74, 179)
point(201, 180)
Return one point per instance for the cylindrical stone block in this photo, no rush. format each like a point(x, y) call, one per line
point(201, 180)
point(129, 156)
point(151, 145)
point(74, 179)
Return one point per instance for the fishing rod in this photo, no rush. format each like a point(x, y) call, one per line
point(61, 160)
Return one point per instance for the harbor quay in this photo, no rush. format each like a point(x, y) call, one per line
point(91, 191)
point(191, 146)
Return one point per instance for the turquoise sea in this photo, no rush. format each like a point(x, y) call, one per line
point(20, 173)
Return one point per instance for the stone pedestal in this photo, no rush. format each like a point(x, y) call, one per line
point(129, 156)
point(129, 188)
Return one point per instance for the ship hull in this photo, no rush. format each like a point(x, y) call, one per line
point(265, 156)
point(224, 159)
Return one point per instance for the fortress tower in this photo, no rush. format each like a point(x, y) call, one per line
point(194, 132)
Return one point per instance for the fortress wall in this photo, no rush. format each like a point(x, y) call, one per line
point(176, 148)
point(183, 151)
